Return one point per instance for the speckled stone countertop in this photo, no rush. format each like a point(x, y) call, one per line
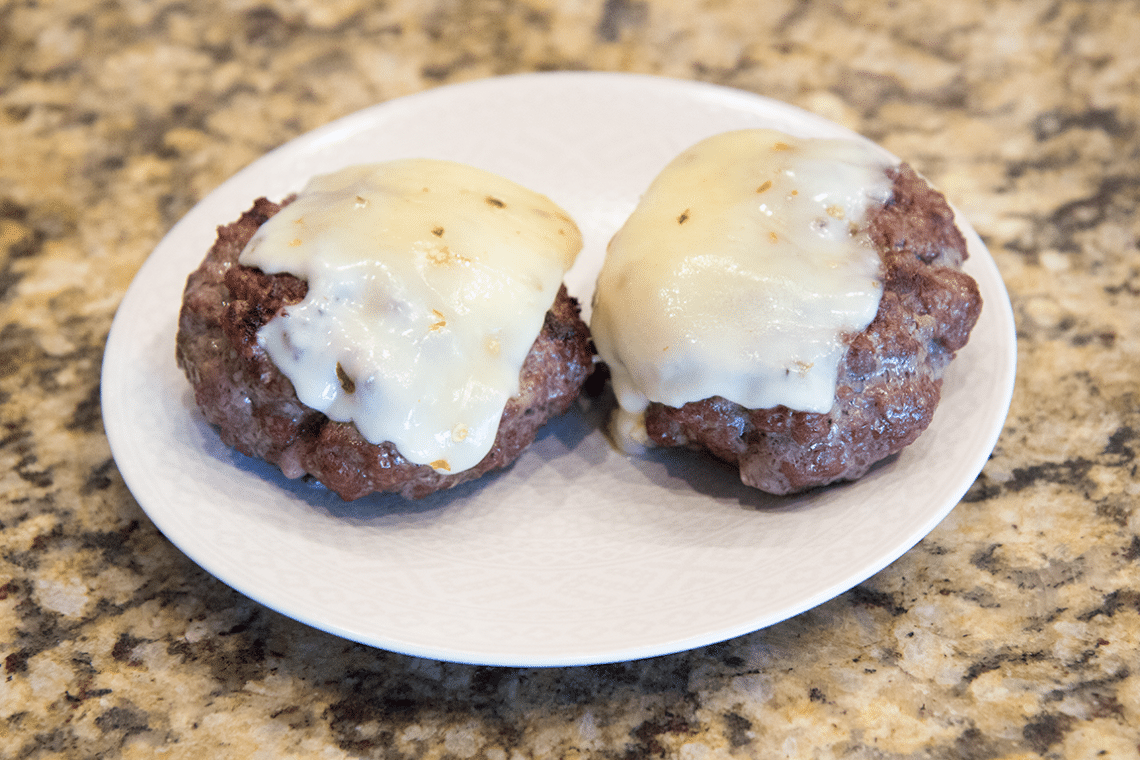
point(1012, 631)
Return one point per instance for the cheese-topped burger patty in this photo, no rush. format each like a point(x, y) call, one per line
point(788, 305)
point(395, 327)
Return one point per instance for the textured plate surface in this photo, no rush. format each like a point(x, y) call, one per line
point(577, 554)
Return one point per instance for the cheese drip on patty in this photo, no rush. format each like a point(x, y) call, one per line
point(741, 273)
point(428, 282)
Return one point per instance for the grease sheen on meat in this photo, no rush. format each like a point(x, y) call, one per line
point(256, 411)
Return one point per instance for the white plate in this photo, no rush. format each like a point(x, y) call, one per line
point(576, 554)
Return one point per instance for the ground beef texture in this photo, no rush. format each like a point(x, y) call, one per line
point(889, 382)
point(256, 411)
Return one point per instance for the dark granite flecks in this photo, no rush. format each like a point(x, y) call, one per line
point(1012, 631)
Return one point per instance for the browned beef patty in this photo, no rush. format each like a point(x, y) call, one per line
point(890, 380)
point(256, 410)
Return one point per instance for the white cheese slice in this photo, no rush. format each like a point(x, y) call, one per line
point(741, 273)
point(428, 282)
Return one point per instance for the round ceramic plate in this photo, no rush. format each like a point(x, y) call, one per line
point(576, 554)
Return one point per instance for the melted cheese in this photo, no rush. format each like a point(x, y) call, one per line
point(740, 273)
point(428, 283)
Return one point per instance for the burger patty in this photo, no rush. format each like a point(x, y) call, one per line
point(889, 381)
point(256, 410)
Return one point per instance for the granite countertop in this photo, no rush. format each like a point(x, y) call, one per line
point(1011, 631)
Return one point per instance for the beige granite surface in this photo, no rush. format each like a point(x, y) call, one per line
point(1012, 631)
